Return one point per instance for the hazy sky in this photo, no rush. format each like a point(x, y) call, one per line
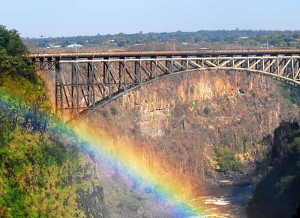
point(89, 17)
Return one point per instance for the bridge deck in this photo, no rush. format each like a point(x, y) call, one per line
point(84, 81)
point(198, 53)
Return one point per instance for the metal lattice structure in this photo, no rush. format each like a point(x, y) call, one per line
point(83, 83)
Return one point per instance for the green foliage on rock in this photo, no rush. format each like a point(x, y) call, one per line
point(226, 159)
point(42, 178)
point(114, 111)
point(43, 170)
point(290, 92)
point(207, 110)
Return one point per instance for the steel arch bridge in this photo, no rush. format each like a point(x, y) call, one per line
point(84, 81)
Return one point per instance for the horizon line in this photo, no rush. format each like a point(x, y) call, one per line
point(150, 32)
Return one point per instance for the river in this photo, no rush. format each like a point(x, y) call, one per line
point(227, 202)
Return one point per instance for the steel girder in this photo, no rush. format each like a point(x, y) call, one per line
point(82, 85)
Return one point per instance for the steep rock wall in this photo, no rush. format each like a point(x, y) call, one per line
point(183, 117)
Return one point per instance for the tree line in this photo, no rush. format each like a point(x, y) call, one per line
point(242, 37)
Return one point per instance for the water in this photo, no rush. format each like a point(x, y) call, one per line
point(227, 202)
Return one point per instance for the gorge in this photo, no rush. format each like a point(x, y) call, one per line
point(194, 144)
point(205, 127)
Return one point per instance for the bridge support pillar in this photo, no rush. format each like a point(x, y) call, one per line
point(58, 89)
point(138, 72)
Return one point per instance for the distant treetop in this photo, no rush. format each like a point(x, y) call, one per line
point(242, 37)
point(11, 42)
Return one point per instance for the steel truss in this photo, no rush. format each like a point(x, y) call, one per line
point(83, 84)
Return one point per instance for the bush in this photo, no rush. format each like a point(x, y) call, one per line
point(11, 42)
point(104, 114)
point(291, 93)
point(114, 111)
point(207, 110)
point(284, 182)
point(4, 131)
point(11, 60)
point(226, 159)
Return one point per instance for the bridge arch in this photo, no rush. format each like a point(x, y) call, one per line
point(103, 102)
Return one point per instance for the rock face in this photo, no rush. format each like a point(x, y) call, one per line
point(91, 200)
point(182, 118)
point(80, 178)
point(179, 121)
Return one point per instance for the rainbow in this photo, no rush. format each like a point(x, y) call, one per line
point(169, 188)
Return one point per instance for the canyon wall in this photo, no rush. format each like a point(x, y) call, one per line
point(180, 120)
point(183, 118)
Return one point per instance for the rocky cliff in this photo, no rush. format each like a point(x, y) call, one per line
point(184, 117)
point(185, 120)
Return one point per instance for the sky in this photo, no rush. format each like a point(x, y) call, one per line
point(33, 18)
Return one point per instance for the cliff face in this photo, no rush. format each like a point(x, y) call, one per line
point(214, 101)
point(183, 118)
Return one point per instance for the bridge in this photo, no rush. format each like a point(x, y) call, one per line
point(84, 81)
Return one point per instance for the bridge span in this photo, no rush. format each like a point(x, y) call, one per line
point(84, 81)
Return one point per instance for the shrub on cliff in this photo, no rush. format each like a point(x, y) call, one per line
point(39, 175)
point(226, 159)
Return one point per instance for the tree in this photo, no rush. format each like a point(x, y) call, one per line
point(11, 50)
point(11, 42)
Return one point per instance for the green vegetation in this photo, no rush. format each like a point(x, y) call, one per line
point(11, 43)
point(17, 75)
point(114, 111)
point(290, 92)
point(11, 61)
point(278, 194)
point(241, 37)
point(207, 110)
point(104, 113)
point(226, 159)
point(41, 175)
point(43, 172)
